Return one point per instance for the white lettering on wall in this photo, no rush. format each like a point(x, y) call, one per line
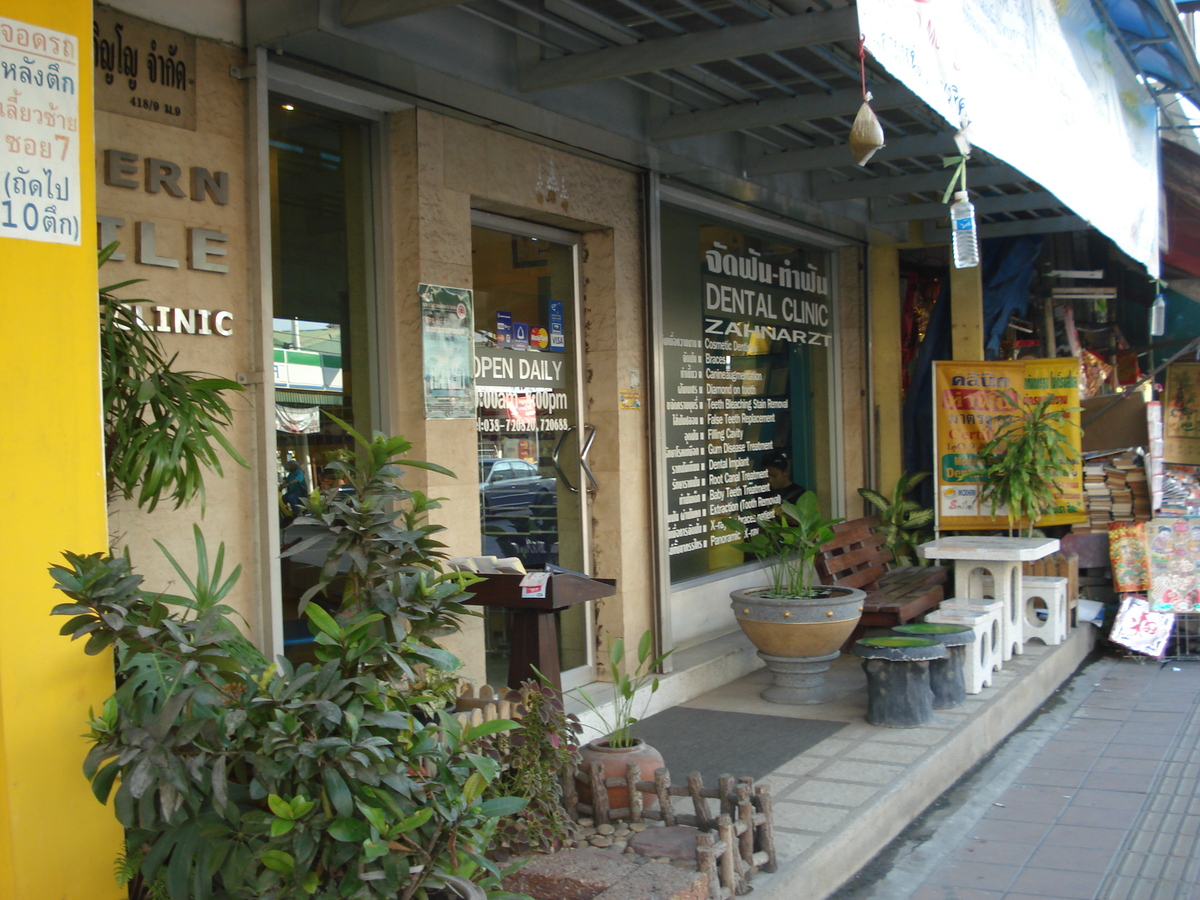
point(174, 320)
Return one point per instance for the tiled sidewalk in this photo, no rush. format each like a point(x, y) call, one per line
point(1107, 810)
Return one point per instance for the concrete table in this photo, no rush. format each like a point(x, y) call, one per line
point(1001, 557)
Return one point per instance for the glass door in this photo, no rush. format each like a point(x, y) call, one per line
point(323, 335)
point(533, 482)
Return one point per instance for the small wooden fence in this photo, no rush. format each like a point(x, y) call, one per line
point(736, 838)
point(486, 704)
point(742, 821)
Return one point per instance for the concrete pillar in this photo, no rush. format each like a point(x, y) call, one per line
point(966, 313)
point(885, 357)
point(430, 231)
point(55, 839)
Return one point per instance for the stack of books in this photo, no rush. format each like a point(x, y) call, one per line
point(1098, 496)
point(1116, 490)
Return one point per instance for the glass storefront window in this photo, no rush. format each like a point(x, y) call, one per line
point(322, 351)
point(747, 349)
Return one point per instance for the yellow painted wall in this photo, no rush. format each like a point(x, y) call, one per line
point(966, 313)
point(56, 841)
point(885, 304)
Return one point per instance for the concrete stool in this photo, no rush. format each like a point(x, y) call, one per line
point(945, 675)
point(898, 691)
point(983, 618)
point(1052, 591)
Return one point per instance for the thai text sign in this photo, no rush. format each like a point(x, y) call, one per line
point(144, 70)
point(39, 123)
point(967, 400)
point(1027, 76)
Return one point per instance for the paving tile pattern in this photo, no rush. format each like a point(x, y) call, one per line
point(1109, 809)
point(1160, 857)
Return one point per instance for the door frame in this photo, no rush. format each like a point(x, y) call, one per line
point(584, 674)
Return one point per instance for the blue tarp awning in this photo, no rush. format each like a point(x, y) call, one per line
point(1156, 41)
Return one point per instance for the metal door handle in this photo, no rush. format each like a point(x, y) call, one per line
point(583, 452)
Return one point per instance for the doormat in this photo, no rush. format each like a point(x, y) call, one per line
point(713, 742)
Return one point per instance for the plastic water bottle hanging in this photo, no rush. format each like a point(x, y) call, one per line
point(962, 229)
point(1158, 316)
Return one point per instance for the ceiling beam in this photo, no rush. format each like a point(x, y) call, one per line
point(984, 206)
point(730, 42)
point(840, 155)
point(858, 188)
point(765, 113)
point(358, 13)
point(1048, 225)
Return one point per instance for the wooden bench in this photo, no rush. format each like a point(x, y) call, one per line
point(857, 558)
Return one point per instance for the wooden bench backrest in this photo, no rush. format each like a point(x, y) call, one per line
point(856, 556)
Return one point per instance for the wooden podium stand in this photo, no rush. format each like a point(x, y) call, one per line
point(534, 628)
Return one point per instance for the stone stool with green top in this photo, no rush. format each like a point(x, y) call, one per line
point(945, 675)
point(897, 667)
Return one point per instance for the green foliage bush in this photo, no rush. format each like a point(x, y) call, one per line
point(236, 778)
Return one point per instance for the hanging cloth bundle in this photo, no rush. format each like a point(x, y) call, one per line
point(866, 134)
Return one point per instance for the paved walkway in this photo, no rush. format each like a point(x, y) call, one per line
point(1097, 799)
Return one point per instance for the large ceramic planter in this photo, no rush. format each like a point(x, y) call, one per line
point(614, 760)
point(798, 637)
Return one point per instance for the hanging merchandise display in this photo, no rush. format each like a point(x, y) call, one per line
point(964, 238)
point(1158, 316)
point(866, 134)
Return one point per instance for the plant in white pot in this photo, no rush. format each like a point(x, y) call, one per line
point(796, 624)
point(617, 746)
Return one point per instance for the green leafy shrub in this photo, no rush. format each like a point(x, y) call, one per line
point(902, 521)
point(235, 778)
point(535, 759)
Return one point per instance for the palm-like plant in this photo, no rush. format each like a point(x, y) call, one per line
point(1028, 452)
point(162, 426)
point(902, 521)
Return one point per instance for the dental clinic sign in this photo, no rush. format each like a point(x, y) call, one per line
point(39, 134)
point(1043, 86)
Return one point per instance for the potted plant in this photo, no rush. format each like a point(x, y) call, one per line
point(796, 625)
point(1027, 454)
point(617, 746)
point(902, 521)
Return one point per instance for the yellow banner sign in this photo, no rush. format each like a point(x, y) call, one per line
point(967, 398)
